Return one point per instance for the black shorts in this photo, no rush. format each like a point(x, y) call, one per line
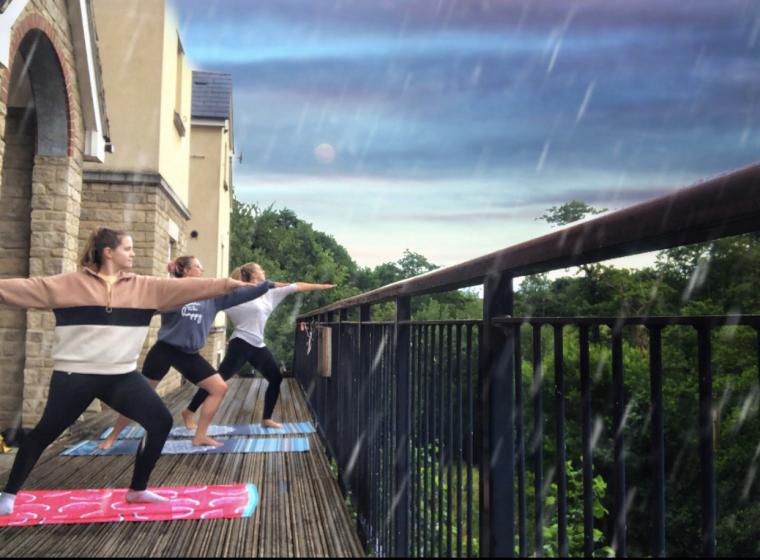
point(163, 356)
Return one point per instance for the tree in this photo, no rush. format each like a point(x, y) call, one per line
point(569, 212)
point(290, 249)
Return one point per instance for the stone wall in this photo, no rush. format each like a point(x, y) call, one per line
point(15, 209)
point(55, 203)
point(44, 200)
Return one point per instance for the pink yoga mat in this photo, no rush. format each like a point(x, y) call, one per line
point(47, 507)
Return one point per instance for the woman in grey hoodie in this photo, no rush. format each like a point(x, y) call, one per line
point(183, 333)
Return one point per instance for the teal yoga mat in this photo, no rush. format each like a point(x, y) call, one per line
point(185, 447)
point(136, 432)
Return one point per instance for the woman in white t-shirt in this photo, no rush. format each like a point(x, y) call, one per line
point(247, 340)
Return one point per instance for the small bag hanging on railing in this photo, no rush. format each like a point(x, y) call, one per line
point(324, 351)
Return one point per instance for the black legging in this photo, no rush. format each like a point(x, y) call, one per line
point(238, 353)
point(70, 395)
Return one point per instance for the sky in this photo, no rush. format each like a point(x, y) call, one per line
point(446, 127)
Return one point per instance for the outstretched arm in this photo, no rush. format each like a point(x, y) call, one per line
point(241, 295)
point(38, 292)
point(176, 292)
point(304, 287)
point(282, 289)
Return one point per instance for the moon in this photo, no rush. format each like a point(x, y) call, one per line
point(324, 153)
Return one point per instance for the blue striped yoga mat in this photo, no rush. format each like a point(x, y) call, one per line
point(136, 432)
point(185, 446)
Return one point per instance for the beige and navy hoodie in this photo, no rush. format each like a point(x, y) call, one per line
point(102, 331)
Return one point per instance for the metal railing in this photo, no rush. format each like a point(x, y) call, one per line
point(426, 420)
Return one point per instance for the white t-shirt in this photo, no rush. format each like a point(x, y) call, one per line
point(250, 317)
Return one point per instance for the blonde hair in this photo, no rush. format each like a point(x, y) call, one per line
point(100, 239)
point(179, 266)
point(245, 272)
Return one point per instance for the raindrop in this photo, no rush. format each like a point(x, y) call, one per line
point(749, 404)
point(753, 35)
point(296, 309)
point(379, 354)
point(698, 278)
point(749, 481)
point(585, 102)
point(542, 159)
point(751, 475)
point(496, 452)
point(475, 76)
point(354, 455)
point(600, 367)
point(626, 413)
point(553, 59)
point(744, 137)
point(597, 431)
point(732, 323)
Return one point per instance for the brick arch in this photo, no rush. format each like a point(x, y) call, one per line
point(35, 22)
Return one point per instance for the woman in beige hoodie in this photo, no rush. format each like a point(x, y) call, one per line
point(102, 316)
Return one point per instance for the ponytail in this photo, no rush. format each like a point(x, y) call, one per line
point(179, 266)
point(244, 272)
point(103, 237)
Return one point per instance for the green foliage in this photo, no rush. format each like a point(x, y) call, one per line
point(434, 505)
point(291, 250)
point(569, 212)
point(575, 526)
point(716, 278)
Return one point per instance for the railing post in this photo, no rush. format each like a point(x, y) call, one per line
point(329, 384)
point(364, 422)
point(706, 442)
point(401, 495)
point(340, 375)
point(497, 517)
point(659, 549)
point(619, 500)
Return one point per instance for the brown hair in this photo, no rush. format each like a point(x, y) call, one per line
point(179, 266)
point(244, 272)
point(103, 237)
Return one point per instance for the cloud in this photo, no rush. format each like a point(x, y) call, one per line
point(458, 217)
point(445, 107)
point(402, 16)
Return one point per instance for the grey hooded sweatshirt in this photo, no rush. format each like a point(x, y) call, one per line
point(187, 327)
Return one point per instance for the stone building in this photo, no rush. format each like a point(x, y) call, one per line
point(52, 120)
point(66, 169)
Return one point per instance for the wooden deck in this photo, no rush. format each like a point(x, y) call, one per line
point(301, 510)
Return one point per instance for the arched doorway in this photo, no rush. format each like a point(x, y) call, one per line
point(36, 142)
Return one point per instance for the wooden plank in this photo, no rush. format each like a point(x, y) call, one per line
point(301, 510)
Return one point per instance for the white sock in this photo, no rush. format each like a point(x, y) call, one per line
point(6, 503)
point(144, 496)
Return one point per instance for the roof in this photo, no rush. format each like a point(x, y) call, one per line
point(212, 95)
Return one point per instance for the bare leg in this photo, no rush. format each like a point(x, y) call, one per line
point(121, 423)
point(188, 417)
point(217, 389)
